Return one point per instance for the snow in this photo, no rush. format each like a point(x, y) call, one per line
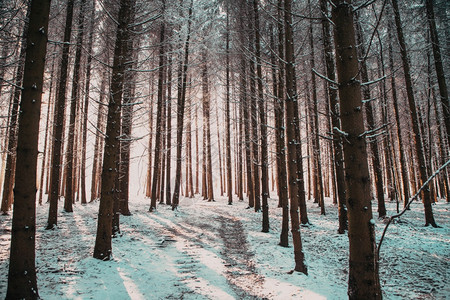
point(210, 250)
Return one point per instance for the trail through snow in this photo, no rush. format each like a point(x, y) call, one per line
point(210, 250)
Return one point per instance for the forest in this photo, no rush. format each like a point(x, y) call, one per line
point(224, 149)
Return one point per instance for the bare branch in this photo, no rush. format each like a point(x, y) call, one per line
point(409, 203)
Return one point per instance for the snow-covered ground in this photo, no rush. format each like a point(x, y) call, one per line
point(210, 250)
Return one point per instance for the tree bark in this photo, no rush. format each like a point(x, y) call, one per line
point(22, 272)
point(363, 280)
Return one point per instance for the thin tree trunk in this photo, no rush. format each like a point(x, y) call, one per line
point(291, 112)
point(416, 139)
point(180, 111)
point(148, 188)
point(207, 125)
point(280, 134)
point(169, 128)
point(111, 159)
point(335, 120)
point(404, 168)
point(318, 187)
point(263, 125)
point(371, 125)
point(86, 106)
point(227, 115)
point(161, 98)
point(74, 99)
point(58, 127)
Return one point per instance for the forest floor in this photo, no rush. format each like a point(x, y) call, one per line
point(210, 250)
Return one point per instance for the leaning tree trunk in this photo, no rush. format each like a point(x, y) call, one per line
point(416, 138)
point(111, 158)
point(22, 270)
point(363, 280)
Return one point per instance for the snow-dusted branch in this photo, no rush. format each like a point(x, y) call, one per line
point(409, 203)
point(369, 132)
point(340, 131)
point(324, 77)
point(373, 81)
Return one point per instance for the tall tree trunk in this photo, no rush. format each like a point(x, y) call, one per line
point(74, 99)
point(335, 119)
point(227, 114)
point(253, 97)
point(291, 112)
point(86, 106)
point(207, 126)
point(395, 100)
point(220, 152)
point(318, 187)
point(280, 133)
point(180, 111)
point(22, 271)
point(58, 119)
point(363, 280)
point(246, 119)
point(111, 159)
point(263, 125)
point(169, 128)
point(371, 125)
point(416, 139)
point(148, 187)
point(161, 98)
